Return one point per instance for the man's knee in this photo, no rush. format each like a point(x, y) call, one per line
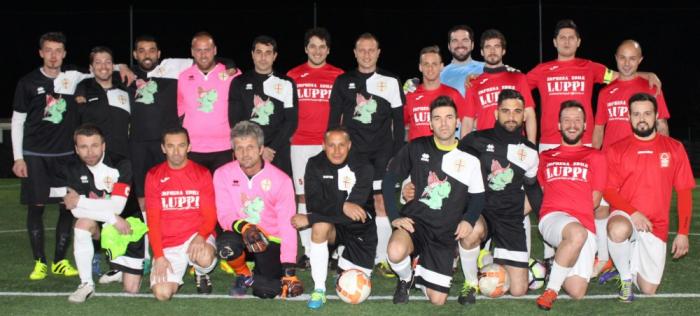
point(399, 247)
point(576, 234)
point(437, 298)
point(619, 228)
point(320, 232)
point(163, 292)
point(207, 257)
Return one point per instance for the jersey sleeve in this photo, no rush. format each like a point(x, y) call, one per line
point(225, 213)
point(460, 102)
point(22, 98)
point(313, 186)
point(601, 74)
point(683, 176)
point(207, 204)
point(662, 107)
point(154, 209)
point(286, 208)
point(235, 102)
point(289, 126)
point(533, 78)
point(524, 89)
point(472, 102)
point(601, 113)
point(180, 96)
point(336, 104)
point(363, 185)
point(599, 171)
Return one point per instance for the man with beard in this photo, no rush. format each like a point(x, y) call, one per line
point(642, 169)
point(452, 197)
point(416, 112)
point(482, 95)
point(460, 42)
point(368, 102)
point(572, 177)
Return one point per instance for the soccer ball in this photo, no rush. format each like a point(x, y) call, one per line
point(493, 280)
point(353, 286)
point(535, 274)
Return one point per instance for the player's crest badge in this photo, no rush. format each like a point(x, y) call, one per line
point(266, 185)
point(665, 159)
point(223, 76)
point(119, 98)
point(346, 179)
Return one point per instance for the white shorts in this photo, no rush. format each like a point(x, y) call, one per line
point(648, 254)
point(543, 147)
point(300, 155)
point(177, 256)
point(551, 227)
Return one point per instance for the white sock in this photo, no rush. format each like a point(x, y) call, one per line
point(548, 251)
point(558, 276)
point(198, 270)
point(147, 253)
point(468, 258)
point(402, 269)
point(601, 234)
point(621, 254)
point(383, 235)
point(528, 232)
point(83, 252)
point(318, 258)
point(304, 234)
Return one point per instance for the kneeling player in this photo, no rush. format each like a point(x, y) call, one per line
point(340, 212)
point(451, 200)
point(570, 175)
point(642, 169)
point(97, 193)
point(255, 205)
point(181, 218)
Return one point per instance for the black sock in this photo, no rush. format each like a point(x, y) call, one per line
point(64, 226)
point(35, 227)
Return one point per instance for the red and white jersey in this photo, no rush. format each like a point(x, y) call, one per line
point(613, 112)
point(482, 96)
point(180, 202)
point(314, 87)
point(559, 81)
point(568, 176)
point(643, 172)
point(416, 111)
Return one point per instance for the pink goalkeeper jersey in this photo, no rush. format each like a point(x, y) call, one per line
point(266, 200)
point(203, 100)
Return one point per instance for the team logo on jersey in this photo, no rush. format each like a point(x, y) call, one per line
point(490, 148)
point(206, 99)
point(40, 90)
point(164, 180)
point(351, 86)
point(499, 176)
point(419, 97)
point(235, 183)
point(253, 208)
point(613, 90)
point(223, 76)
point(483, 80)
point(265, 185)
point(553, 68)
point(665, 159)
point(304, 75)
point(364, 109)
point(84, 179)
point(436, 191)
point(381, 85)
point(145, 91)
point(53, 112)
point(346, 179)
point(425, 157)
point(262, 110)
point(249, 86)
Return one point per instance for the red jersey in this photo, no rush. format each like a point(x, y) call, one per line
point(613, 112)
point(416, 111)
point(180, 202)
point(559, 81)
point(644, 171)
point(568, 176)
point(314, 87)
point(482, 96)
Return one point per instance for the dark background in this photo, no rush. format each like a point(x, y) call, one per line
point(668, 31)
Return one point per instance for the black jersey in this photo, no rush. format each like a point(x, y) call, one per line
point(508, 165)
point(51, 111)
point(444, 181)
point(110, 110)
point(328, 186)
point(155, 106)
point(268, 100)
point(370, 104)
point(100, 180)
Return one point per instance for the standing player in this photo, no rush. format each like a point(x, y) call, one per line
point(181, 218)
point(43, 120)
point(451, 200)
point(642, 169)
point(341, 212)
point(97, 193)
point(482, 96)
point(203, 100)
point(460, 42)
point(267, 98)
point(314, 80)
point(509, 165)
point(572, 177)
point(369, 100)
point(416, 112)
point(255, 205)
point(612, 124)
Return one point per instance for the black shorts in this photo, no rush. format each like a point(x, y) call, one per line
point(379, 159)
point(45, 175)
point(144, 156)
point(360, 241)
point(435, 258)
point(508, 236)
point(267, 263)
point(212, 160)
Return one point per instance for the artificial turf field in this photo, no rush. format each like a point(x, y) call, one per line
point(679, 293)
